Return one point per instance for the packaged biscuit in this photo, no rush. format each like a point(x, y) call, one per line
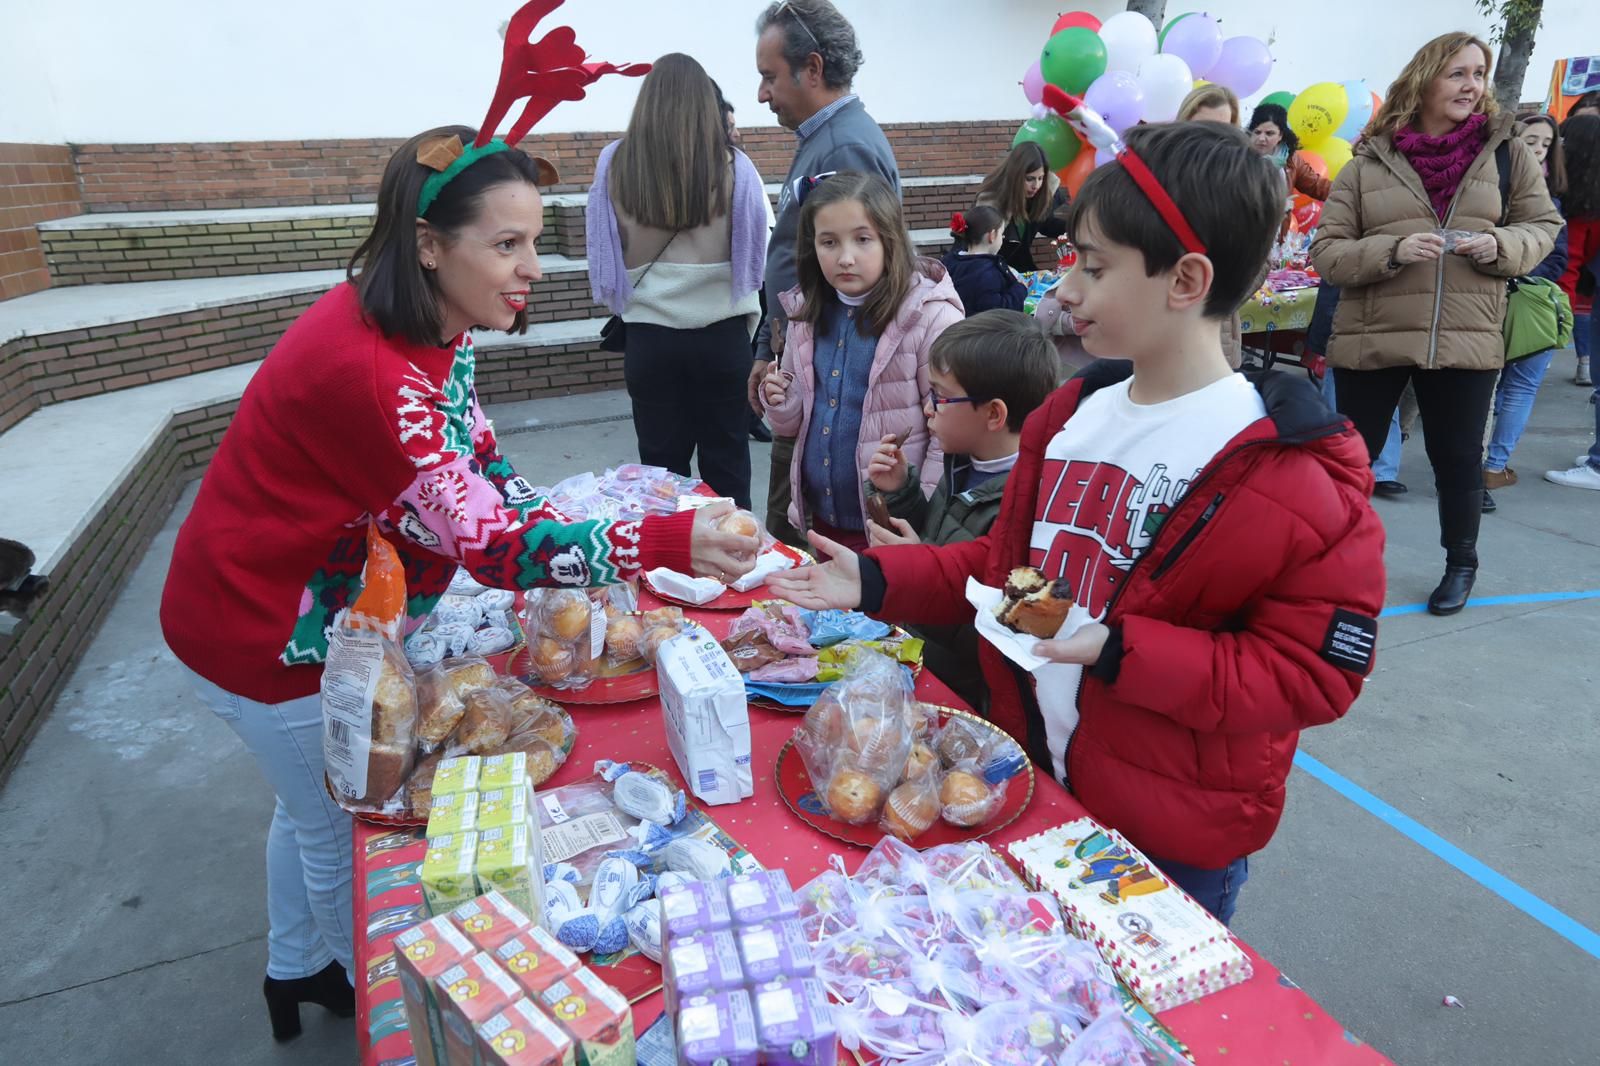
point(422, 953)
point(470, 993)
point(490, 920)
point(595, 1015)
point(521, 1035)
point(447, 874)
point(511, 862)
point(535, 960)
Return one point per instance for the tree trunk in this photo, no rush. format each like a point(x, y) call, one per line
point(1516, 46)
point(1154, 10)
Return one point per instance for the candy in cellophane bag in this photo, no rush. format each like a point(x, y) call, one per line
point(970, 865)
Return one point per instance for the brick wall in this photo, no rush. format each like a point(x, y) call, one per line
point(160, 253)
point(37, 183)
point(55, 367)
point(167, 177)
point(38, 656)
point(507, 375)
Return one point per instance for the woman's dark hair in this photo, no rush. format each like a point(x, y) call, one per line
point(1231, 195)
point(1555, 165)
point(981, 220)
point(396, 293)
point(1588, 99)
point(1581, 147)
point(899, 254)
point(1004, 190)
point(1275, 114)
point(999, 355)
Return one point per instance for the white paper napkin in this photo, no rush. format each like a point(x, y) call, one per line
point(1018, 647)
point(767, 564)
point(695, 590)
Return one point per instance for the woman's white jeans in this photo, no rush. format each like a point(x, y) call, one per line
point(308, 847)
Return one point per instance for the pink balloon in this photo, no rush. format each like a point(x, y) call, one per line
point(1033, 84)
point(1244, 66)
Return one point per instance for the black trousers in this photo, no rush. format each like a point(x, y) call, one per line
point(1454, 405)
point(689, 393)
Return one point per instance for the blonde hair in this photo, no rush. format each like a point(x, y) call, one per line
point(1403, 103)
point(1212, 95)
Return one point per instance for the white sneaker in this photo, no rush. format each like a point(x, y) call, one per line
point(1582, 476)
point(1581, 376)
point(1581, 460)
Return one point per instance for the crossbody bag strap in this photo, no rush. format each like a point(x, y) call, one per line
point(659, 254)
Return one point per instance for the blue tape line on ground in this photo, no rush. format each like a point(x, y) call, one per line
point(1537, 909)
point(1500, 601)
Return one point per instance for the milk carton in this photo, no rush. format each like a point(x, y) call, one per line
point(707, 716)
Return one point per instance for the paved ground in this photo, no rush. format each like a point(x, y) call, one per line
point(133, 827)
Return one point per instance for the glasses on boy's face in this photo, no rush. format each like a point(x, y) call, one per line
point(936, 401)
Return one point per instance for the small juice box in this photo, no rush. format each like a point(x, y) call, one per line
point(452, 814)
point(521, 1035)
point(511, 861)
point(457, 775)
point(595, 1015)
point(503, 771)
point(422, 953)
point(512, 805)
point(718, 1030)
point(447, 877)
point(490, 920)
point(470, 993)
point(535, 959)
point(697, 907)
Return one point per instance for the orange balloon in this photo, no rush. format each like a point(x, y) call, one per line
point(1075, 173)
point(1315, 162)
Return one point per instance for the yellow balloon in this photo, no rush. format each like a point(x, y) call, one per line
point(1317, 112)
point(1335, 151)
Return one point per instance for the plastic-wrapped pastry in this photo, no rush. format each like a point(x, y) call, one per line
point(394, 704)
point(624, 636)
point(486, 721)
point(388, 766)
point(911, 808)
point(439, 709)
point(552, 660)
point(853, 797)
point(419, 786)
point(468, 673)
point(564, 614)
point(968, 799)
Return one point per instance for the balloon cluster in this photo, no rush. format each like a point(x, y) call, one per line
point(1128, 73)
point(1326, 117)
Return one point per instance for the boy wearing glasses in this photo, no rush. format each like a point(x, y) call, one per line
point(987, 374)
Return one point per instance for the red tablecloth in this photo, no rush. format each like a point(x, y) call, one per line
point(1267, 1019)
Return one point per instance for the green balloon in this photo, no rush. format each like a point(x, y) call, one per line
point(1060, 143)
point(1072, 59)
point(1161, 38)
point(1282, 99)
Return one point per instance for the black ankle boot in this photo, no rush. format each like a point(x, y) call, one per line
point(329, 988)
point(1453, 590)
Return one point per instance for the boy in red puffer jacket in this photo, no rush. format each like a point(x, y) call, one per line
point(1217, 527)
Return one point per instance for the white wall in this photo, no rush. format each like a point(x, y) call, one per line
point(186, 70)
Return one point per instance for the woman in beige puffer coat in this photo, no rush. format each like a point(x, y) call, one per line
point(1417, 237)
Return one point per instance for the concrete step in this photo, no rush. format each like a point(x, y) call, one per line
point(174, 245)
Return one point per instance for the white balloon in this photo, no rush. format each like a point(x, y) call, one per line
point(1166, 80)
point(1130, 39)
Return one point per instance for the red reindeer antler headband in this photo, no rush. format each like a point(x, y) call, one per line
point(546, 73)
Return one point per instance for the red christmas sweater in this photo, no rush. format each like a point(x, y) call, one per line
point(341, 425)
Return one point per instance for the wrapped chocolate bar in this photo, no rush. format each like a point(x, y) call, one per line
point(699, 964)
point(718, 1029)
point(773, 950)
point(762, 896)
point(794, 1023)
point(696, 907)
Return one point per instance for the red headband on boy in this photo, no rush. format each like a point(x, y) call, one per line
point(1101, 135)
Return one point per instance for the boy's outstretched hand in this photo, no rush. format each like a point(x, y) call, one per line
point(887, 469)
point(833, 582)
point(902, 533)
point(1082, 648)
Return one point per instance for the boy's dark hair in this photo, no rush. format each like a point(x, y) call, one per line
point(1580, 137)
point(999, 355)
point(1231, 196)
point(397, 295)
point(981, 220)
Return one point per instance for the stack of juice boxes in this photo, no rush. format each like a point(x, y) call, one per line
point(483, 834)
point(739, 978)
point(485, 986)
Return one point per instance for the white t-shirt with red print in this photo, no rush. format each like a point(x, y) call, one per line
point(1109, 479)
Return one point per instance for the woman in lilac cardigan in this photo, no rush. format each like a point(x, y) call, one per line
point(677, 234)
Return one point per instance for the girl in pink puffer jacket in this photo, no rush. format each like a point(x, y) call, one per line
point(854, 368)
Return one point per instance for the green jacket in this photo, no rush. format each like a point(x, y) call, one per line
point(951, 651)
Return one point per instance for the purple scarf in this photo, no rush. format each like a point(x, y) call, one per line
point(1441, 161)
point(608, 274)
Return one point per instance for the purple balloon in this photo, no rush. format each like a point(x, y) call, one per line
point(1033, 84)
point(1118, 97)
point(1197, 40)
point(1102, 157)
point(1244, 66)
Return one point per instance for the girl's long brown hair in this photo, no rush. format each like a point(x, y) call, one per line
point(1004, 190)
point(671, 170)
point(1555, 160)
point(899, 256)
point(1403, 103)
